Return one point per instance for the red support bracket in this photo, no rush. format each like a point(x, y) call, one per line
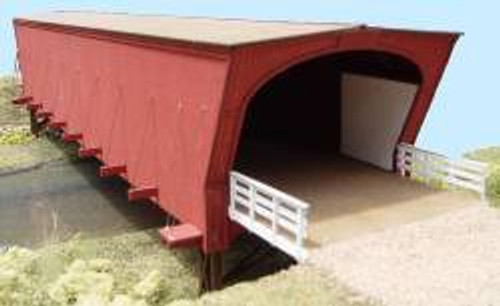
point(89, 152)
point(44, 114)
point(72, 137)
point(182, 235)
point(56, 124)
point(106, 171)
point(22, 100)
point(33, 107)
point(142, 193)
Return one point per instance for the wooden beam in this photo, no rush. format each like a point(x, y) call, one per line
point(89, 152)
point(44, 114)
point(56, 125)
point(33, 106)
point(22, 100)
point(182, 235)
point(72, 136)
point(142, 193)
point(106, 171)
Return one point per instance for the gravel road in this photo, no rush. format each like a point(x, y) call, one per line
point(452, 259)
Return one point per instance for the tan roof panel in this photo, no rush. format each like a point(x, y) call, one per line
point(227, 32)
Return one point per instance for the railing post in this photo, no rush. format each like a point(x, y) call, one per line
point(232, 190)
point(484, 197)
point(400, 162)
point(275, 215)
point(426, 168)
point(408, 158)
point(301, 234)
point(253, 195)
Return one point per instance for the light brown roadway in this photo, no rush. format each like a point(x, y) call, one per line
point(347, 197)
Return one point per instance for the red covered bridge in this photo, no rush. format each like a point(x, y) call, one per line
point(173, 105)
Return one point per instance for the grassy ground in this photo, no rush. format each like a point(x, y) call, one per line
point(490, 155)
point(9, 114)
point(136, 269)
point(298, 286)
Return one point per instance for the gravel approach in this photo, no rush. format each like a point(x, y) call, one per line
point(452, 259)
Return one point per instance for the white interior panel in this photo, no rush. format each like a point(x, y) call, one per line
point(374, 111)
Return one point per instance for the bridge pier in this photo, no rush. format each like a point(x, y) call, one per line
point(211, 271)
point(36, 124)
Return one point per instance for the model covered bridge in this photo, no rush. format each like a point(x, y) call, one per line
point(197, 113)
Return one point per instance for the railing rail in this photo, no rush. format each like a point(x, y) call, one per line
point(273, 215)
point(435, 168)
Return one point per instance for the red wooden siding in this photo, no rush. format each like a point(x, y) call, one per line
point(151, 110)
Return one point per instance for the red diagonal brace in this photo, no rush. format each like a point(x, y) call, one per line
point(33, 107)
point(57, 124)
point(106, 171)
point(142, 193)
point(44, 114)
point(89, 152)
point(22, 100)
point(72, 136)
point(182, 235)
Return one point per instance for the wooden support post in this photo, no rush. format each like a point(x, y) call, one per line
point(56, 125)
point(142, 193)
point(211, 271)
point(106, 171)
point(89, 152)
point(22, 100)
point(72, 136)
point(33, 106)
point(35, 125)
point(44, 114)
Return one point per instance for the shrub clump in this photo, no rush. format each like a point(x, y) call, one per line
point(491, 156)
point(493, 182)
point(83, 279)
point(127, 270)
point(18, 279)
point(15, 135)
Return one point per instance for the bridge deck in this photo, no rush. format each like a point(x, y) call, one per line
point(347, 197)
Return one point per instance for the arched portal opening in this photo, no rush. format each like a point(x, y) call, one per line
point(326, 130)
point(354, 104)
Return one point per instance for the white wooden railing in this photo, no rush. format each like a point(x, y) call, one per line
point(271, 214)
point(433, 168)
